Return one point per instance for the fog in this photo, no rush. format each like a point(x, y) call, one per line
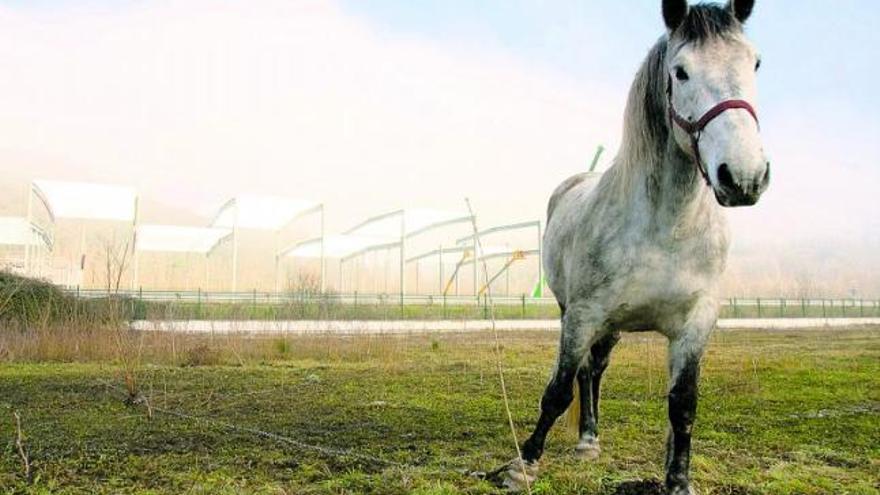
point(194, 102)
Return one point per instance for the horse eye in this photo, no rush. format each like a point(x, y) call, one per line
point(757, 65)
point(681, 74)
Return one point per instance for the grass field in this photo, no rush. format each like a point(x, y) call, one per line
point(780, 413)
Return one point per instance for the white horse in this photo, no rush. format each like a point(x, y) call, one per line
point(643, 247)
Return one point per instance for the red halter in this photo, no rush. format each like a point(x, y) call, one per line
point(695, 129)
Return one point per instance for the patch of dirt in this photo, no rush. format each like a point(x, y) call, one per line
point(639, 487)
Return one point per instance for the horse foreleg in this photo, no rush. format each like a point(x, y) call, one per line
point(685, 350)
point(578, 332)
point(589, 379)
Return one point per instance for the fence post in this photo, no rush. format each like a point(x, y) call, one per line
point(199, 304)
point(781, 308)
point(735, 310)
point(759, 306)
point(444, 306)
point(861, 308)
point(824, 314)
point(803, 308)
point(523, 306)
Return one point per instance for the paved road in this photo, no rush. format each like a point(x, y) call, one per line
point(304, 327)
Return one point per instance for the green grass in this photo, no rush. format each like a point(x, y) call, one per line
point(780, 413)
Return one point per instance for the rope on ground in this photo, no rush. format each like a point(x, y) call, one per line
point(326, 451)
point(141, 400)
point(498, 356)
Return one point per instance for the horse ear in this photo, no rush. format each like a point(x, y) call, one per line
point(742, 9)
point(674, 12)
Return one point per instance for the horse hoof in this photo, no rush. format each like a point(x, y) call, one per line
point(682, 490)
point(588, 449)
point(519, 475)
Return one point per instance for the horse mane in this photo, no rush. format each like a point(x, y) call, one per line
point(646, 123)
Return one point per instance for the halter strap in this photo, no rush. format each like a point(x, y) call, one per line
point(695, 129)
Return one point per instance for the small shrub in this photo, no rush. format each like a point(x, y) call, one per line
point(201, 355)
point(281, 347)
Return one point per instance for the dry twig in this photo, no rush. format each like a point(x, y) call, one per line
point(22, 450)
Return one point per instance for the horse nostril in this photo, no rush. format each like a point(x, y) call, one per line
point(725, 178)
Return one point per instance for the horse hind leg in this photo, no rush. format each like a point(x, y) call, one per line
point(589, 380)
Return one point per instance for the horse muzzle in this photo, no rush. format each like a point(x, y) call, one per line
point(732, 191)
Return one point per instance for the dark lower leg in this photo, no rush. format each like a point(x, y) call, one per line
point(682, 412)
point(556, 399)
point(588, 423)
point(589, 381)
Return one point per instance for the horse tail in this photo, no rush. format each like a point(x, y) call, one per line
point(573, 415)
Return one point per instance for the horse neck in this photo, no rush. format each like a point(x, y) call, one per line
point(676, 191)
point(650, 168)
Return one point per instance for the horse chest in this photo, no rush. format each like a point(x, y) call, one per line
point(669, 273)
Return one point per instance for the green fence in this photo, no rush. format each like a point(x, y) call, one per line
point(255, 305)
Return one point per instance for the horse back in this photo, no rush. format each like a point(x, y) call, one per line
point(563, 188)
point(566, 186)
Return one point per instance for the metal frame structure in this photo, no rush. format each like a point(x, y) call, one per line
point(334, 246)
point(488, 253)
point(184, 239)
point(48, 238)
point(534, 224)
point(74, 205)
point(445, 219)
point(298, 208)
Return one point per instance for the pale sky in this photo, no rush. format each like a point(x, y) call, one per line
point(373, 105)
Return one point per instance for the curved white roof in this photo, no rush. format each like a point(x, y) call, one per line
point(415, 220)
point(262, 212)
point(17, 231)
point(178, 239)
point(89, 201)
point(337, 246)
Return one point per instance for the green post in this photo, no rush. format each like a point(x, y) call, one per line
point(759, 306)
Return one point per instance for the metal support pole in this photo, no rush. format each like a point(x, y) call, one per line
point(440, 256)
point(476, 256)
point(235, 249)
point(82, 253)
point(30, 230)
point(277, 261)
point(340, 287)
point(134, 226)
point(402, 256)
point(323, 257)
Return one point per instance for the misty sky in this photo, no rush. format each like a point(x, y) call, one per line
point(373, 105)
